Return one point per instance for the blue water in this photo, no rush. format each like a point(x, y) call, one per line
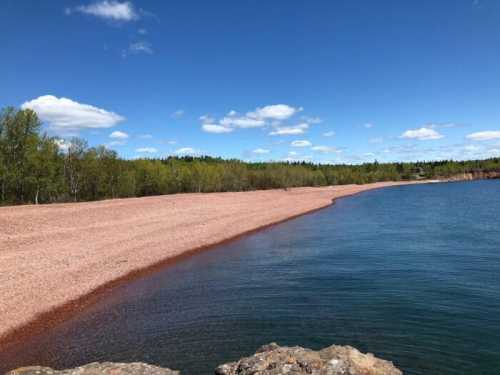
point(409, 273)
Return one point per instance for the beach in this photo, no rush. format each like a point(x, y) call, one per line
point(54, 255)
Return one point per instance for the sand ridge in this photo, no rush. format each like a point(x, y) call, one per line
point(53, 254)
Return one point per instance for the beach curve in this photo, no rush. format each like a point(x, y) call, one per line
point(54, 258)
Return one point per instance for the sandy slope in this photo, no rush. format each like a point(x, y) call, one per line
point(52, 254)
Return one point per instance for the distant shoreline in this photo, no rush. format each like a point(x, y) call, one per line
point(56, 259)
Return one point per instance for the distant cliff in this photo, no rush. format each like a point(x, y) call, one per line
point(271, 359)
point(474, 175)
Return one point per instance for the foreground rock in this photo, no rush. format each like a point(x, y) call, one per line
point(271, 359)
point(97, 369)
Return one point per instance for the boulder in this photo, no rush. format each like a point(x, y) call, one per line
point(103, 368)
point(273, 359)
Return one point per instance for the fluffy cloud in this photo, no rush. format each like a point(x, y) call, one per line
point(261, 151)
point(111, 10)
point(303, 143)
point(329, 134)
point(275, 112)
point(422, 134)
point(260, 117)
point(368, 125)
point(186, 151)
point(146, 150)
point(118, 135)
point(66, 115)
point(216, 129)
point(290, 130)
point(484, 136)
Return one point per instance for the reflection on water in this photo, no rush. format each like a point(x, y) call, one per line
point(409, 273)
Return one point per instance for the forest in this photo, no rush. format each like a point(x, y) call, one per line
point(34, 168)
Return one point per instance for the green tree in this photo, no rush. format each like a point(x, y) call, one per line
point(20, 138)
point(73, 166)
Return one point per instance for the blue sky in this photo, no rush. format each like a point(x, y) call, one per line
point(327, 81)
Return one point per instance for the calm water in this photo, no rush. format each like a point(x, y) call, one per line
point(411, 274)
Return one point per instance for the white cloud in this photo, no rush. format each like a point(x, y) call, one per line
point(261, 151)
point(63, 114)
point(216, 129)
point(422, 134)
point(484, 135)
point(242, 122)
point(275, 112)
point(111, 10)
point(293, 159)
point(206, 119)
point(303, 143)
point(290, 130)
point(146, 150)
point(186, 151)
point(62, 144)
point(118, 135)
point(138, 47)
point(270, 115)
point(324, 149)
point(329, 134)
point(368, 125)
point(177, 114)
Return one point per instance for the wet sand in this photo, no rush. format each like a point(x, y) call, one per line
point(54, 257)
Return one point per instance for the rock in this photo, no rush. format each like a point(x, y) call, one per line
point(272, 359)
point(108, 368)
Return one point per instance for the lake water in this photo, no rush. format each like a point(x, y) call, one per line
point(409, 273)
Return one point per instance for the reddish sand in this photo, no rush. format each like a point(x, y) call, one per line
point(51, 255)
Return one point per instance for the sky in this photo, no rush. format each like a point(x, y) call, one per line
point(322, 81)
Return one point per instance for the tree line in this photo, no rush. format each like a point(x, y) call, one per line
point(35, 168)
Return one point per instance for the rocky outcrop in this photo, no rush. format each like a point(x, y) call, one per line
point(474, 175)
point(104, 368)
point(271, 359)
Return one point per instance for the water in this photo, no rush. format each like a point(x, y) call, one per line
point(409, 273)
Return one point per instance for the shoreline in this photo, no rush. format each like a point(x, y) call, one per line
point(20, 327)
